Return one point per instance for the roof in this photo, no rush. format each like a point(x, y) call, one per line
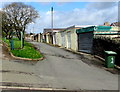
point(115, 24)
point(94, 28)
point(84, 26)
point(86, 29)
point(79, 26)
point(102, 28)
point(52, 30)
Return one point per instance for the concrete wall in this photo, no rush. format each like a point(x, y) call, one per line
point(54, 39)
point(73, 39)
point(47, 38)
point(115, 28)
point(74, 42)
point(112, 33)
point(58, 38)
point(66, 41)
point(39, 38)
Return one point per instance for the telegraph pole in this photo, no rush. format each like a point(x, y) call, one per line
point(52, 19)
point(52, 23)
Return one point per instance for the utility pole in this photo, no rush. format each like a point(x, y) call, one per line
point(52, 19)
point(52, 23)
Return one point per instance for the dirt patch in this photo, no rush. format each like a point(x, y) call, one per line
point(6, 54)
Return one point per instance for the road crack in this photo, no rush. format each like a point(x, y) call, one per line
point(16, 72)
point(61, 56)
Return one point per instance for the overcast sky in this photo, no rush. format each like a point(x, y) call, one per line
point(73, 13)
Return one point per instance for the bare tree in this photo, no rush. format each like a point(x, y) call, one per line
point(6, 25)
point(19, 16)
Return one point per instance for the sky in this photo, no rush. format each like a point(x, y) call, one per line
point(67, 14)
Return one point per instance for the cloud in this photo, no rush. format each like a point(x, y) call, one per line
point(101, 5)
point(86, 16)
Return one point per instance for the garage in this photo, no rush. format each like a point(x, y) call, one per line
point(63, 39)
point(85, 39)
point(69, 40)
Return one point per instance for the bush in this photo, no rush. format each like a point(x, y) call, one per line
point(102, 44)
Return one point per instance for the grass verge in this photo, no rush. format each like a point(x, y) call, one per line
point(27, 52)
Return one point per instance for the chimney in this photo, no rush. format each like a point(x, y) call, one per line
point(106, 24)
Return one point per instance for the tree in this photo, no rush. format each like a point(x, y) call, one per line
point(19, 16)
point(6, 26)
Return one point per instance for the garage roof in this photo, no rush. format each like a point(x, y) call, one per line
point(94, 28)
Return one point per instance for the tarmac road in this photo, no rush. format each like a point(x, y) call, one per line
point(59, 70)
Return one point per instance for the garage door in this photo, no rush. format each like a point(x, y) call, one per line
point(85, 41)
point(63, 39)
point(69, 40)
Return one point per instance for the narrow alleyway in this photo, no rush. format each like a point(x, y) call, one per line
point(60, 69)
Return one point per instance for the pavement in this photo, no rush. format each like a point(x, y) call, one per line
point(60, 69)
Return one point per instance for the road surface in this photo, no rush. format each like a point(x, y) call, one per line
point(59, 70)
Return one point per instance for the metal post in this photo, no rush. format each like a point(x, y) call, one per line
point(52, 18)
point(21, 39)
point(51, 25)
point(5, 39)
point(12, 44)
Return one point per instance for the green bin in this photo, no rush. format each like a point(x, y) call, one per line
point(11, 44)
point(110, 59)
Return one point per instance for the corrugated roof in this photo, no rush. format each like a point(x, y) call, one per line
point(52, 30)
point(95, 28)
point(86, 29)
point(102, 28)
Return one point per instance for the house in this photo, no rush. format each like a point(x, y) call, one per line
point(115, 24)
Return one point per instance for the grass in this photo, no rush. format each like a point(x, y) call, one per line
point(17, 43)
point(27, 52)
